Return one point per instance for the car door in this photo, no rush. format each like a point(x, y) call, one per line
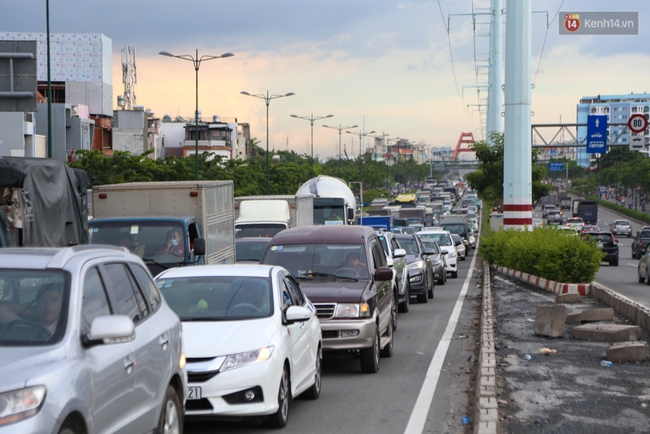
point(399, 264)
point(110, 367)
point(382, 289)
point(297, 337)
point(151, 342)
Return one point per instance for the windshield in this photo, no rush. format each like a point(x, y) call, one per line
point(410, 245)
point(267, 230)
point(250, 251)
point(328, 215)
point(160, 241)
point(431, 244)
point(320, 260)
point(456, 228)
point(33, 307)
point(442, 239)
point(218, 298)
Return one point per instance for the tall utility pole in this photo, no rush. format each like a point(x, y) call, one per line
point(517, 177)
point(495, 96)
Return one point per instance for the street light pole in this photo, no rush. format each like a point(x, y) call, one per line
point(267, 100)
point(311, 120)
point(196, 60)
point(339, 129)
point(360, 159)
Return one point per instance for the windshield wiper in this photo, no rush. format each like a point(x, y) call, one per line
point(200, 318)
point(333, 275)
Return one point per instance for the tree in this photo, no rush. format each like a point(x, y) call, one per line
point(487, 180)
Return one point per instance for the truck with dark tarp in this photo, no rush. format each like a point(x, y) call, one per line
point(43, 203)
point(587, 210)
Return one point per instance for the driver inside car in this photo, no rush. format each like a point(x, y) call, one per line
point(174, 243)
point(353, 261)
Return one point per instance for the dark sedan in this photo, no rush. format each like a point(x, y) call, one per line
point(419, 265)
point(608, 244)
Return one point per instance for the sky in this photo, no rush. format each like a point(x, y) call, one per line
point(410, 69)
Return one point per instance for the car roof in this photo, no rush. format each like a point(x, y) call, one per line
point(254, 240)
point(57, 258)
point(340, 234)
point(249, 270)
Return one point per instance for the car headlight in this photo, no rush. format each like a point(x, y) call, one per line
point(451, 254)
point(353, 310)
point(436, 263)
point(234, 361)
point(416, 265)
point(20, 404)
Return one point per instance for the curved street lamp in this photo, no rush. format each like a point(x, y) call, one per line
point(311, 120)
point(267, 100)
point(360, 136)
point(339, 129)
point(196, 60)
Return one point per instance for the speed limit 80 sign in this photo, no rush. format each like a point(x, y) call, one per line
point(637, 123)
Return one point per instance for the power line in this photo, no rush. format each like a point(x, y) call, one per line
point(451, 55)
point(548, 26)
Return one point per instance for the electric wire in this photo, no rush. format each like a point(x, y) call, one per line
point(451, 55)
point(548, 26)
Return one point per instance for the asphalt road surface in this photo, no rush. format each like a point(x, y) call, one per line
point(391, 401)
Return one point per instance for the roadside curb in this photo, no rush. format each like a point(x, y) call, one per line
point(486, 414)
point(547, 285)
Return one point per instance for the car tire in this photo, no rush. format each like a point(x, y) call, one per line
point(640, 279)
point(462, 258)
point(387, 351)
point(647, 279)
point(393, 310)
point(424, 297)
point(314, 391)
point(72, 427)
point(406, 305)
point(614, 262)
point(370, 356)
point(431, 287)
point(280, 418)
point(171, 416)
point(454, 274)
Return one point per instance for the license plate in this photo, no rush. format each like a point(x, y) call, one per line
point(193, 393)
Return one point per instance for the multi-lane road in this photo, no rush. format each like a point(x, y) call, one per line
point(413, 392)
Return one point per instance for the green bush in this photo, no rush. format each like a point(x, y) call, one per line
point(556, 255)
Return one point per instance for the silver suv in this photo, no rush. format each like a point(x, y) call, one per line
point(88, 344)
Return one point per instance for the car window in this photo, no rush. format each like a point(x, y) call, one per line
point(410, 245)
point(95, 302)
point(217, 298)
point(296, 295)
point(318, 260)
point(151, 293)
point(377, 253)
point(123, 298)
point(394, 244)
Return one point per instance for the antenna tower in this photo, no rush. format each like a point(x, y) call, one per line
point(129, 77)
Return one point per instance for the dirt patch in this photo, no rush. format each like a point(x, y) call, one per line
point(568, 391)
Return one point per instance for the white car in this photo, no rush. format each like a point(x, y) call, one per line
point(252, 339)
point(460, 246)
point(446, 243)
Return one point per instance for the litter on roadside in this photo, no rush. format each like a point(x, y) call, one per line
point(547, 351)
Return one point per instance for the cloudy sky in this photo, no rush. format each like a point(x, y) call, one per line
point(410, 69)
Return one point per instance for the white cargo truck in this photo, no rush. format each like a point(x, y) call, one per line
point(334, 202)
point(265, 216)
point(146, 217)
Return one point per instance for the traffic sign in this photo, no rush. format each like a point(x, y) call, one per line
point(596, 134)
point(556, 167)
point(637, 123)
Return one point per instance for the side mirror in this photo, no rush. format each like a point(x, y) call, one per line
point(429, 251)
point(399, 253)
point(444, 253)
point(199, 246)
point(383, 274)
point(458, 243)
point(297, 314)
point(110, 329)
point(350, 214)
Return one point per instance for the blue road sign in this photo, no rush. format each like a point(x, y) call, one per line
point(596, 134)
point(556, 167)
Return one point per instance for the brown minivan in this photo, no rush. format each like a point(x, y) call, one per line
point(343, 271)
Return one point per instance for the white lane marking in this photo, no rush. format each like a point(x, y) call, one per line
point(423, 404)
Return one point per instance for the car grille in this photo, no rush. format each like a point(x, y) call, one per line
point(198, 404)
point(325, 310)
point(200, 377)
point(330, 334)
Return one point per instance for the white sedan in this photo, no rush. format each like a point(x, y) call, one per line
point(252, 339)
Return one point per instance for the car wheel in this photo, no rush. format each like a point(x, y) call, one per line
point(647, 279)
point(641, 279)
point(280, 418)
point(633, 254)
point(431, 287)
point(454, 274)
point(424, 297)
point(462, 258)
point(171, 416)
point(72, 427)
point(614, 262)
point(387, 351)
point(314, 391)
point(393, 311)
point(370, 356)
point(406, 305)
